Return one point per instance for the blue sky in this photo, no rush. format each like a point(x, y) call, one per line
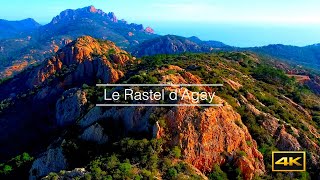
point(232, 11)
point(166, 16)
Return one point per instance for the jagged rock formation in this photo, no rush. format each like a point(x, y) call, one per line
point(212, 138)
point(149, 30)
point(204, 139)
point(92, 60)
point(70, 15)
point(52, 160)
point(128, 119)
point(96, 23)
point(94, 133)
point(204, 136)
point(70, 106)
point(77, 173)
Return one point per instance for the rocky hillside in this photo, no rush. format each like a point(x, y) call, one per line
point(66, 136)
point(83, 61)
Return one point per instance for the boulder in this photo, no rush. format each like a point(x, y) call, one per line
point(52, 160)
point(94, 133)
point(70, 106)
point(77, 173)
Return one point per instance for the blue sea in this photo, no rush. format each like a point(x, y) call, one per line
point(243, 35)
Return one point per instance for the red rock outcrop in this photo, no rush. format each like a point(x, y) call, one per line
point(91, 57)
point(205, 137)
point(213, 135)
point(286, 141)
point(149, 30)
point(11, 70)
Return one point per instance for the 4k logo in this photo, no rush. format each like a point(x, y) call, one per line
point(284, 161)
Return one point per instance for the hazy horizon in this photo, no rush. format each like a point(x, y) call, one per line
point(246, 23)
point(243, 35)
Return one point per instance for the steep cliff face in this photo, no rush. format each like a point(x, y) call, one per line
point(212, 136)
point(50, 161)
point(94, 133)
point(70, 106)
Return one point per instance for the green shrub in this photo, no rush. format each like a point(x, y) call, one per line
point(242, 153)
point(316, 119)
point(125, 168)
point(172, 172)
point(136, 79)
point(271, 75)
point(146, 173)
point(238, 123)
point(176, 152)
point(217, 174)
point(6, 169)
point(249, 143)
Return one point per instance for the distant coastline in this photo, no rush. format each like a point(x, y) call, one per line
point(242, 35)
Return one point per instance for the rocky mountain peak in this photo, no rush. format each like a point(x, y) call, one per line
point(112, 17)
point(92, 9)
point(85, 12)
point(30, 21)
point(89, 56)
point(149, 30)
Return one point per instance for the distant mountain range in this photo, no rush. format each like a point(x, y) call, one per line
point(14, 29)
point(96, 23)
point(26, 42)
